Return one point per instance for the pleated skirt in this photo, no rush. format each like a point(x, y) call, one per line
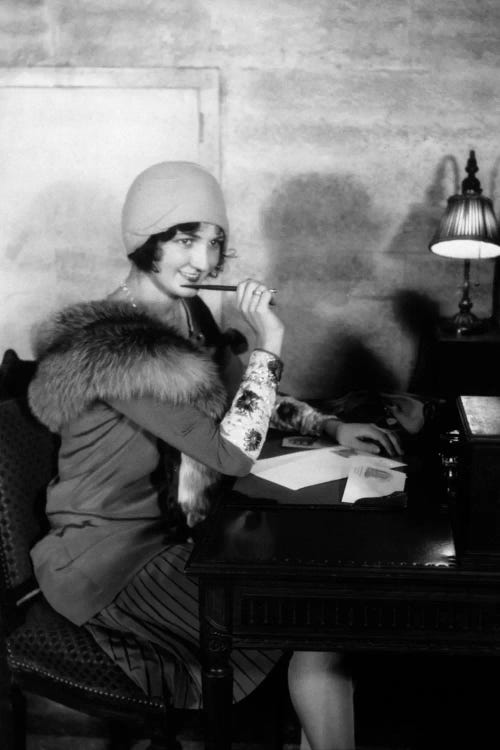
point(151, 630)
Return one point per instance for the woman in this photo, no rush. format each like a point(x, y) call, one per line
point(137, 386)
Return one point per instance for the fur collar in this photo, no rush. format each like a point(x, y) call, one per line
point(96, 351)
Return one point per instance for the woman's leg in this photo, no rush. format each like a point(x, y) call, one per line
point(304, 745)
point(322, 695)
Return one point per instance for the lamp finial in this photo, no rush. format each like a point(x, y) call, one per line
point(471, 184)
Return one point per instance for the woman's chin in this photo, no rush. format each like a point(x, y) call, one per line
point(185, 291)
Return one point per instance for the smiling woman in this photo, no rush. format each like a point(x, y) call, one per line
point(155, 413)
point(146, 433)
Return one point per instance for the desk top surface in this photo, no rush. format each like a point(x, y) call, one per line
point(262, 526)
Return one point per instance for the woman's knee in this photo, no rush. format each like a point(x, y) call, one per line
point(316, 662)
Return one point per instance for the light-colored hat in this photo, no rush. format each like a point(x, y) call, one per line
point(170, 193)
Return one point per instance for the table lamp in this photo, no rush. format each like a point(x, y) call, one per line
point(468, 231)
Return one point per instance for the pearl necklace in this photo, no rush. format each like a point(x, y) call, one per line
point(129, 294)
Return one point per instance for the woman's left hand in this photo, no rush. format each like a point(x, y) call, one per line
point(253, 300)
point(364, 437)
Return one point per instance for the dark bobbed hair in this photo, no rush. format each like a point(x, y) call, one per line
point(148, 255)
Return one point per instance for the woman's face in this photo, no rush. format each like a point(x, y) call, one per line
point(188, 258)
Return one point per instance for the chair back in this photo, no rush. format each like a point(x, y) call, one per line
point(15, 375)
point(27, 462)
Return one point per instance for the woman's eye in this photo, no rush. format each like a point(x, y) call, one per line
point(186, 241)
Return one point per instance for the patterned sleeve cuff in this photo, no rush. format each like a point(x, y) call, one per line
point(267, 363)
point(246, 423)
point(314, 423)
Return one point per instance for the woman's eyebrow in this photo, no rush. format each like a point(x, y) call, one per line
point(189, 232)
point(194, 233)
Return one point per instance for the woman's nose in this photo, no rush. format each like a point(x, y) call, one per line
point(200, 257)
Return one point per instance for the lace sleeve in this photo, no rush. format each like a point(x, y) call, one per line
point(246, 423)
point(292, 415)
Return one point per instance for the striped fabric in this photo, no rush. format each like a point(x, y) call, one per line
point(151, 631)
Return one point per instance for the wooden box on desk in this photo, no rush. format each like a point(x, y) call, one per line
point(479, 481)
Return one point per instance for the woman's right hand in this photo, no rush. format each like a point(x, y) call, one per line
point(253, 300)
point(368, 438)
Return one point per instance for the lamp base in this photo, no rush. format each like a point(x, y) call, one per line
point(465, 324)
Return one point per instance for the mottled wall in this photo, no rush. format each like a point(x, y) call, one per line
point(344, 126)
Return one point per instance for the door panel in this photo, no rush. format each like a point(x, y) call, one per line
point(70, 144)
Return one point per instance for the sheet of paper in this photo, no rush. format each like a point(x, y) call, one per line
point(269, 463)
point(388, 463)
point(371, 477)
point(303, 468)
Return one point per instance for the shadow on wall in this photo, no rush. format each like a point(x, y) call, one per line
point(357, 312)
point(357, 368)
point(423, 218)
point(322, 233)
point(411, 241)
point(418, 314)
point(416, 311)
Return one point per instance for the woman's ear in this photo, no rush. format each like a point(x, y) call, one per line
point(225, 253)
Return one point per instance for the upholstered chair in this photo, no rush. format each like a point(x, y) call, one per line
point(40, 651)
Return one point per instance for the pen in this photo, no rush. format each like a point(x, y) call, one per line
point(218, 287)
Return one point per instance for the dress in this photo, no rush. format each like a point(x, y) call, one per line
point(146, 439)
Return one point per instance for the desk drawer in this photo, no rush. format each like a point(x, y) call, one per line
point(346, 618)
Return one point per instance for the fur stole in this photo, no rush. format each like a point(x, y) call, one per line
point(98, 351)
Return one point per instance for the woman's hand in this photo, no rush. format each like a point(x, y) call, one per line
point(253, 300)
point(363, 437)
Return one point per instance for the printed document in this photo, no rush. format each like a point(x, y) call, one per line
point(369, 477)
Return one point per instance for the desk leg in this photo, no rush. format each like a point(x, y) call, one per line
point(217, 688)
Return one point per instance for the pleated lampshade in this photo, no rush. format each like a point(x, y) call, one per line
point(468, 228)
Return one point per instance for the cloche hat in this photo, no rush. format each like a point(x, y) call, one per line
point(167, 194)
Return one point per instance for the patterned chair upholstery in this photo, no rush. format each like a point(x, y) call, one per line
point(40, 651)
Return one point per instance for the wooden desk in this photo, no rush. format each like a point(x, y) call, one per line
point(279, 575)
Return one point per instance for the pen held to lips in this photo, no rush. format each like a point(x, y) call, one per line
point(222, 288)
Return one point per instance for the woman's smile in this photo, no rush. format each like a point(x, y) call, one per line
point(191, 277)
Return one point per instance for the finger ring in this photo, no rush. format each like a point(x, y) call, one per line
point(257, 292)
